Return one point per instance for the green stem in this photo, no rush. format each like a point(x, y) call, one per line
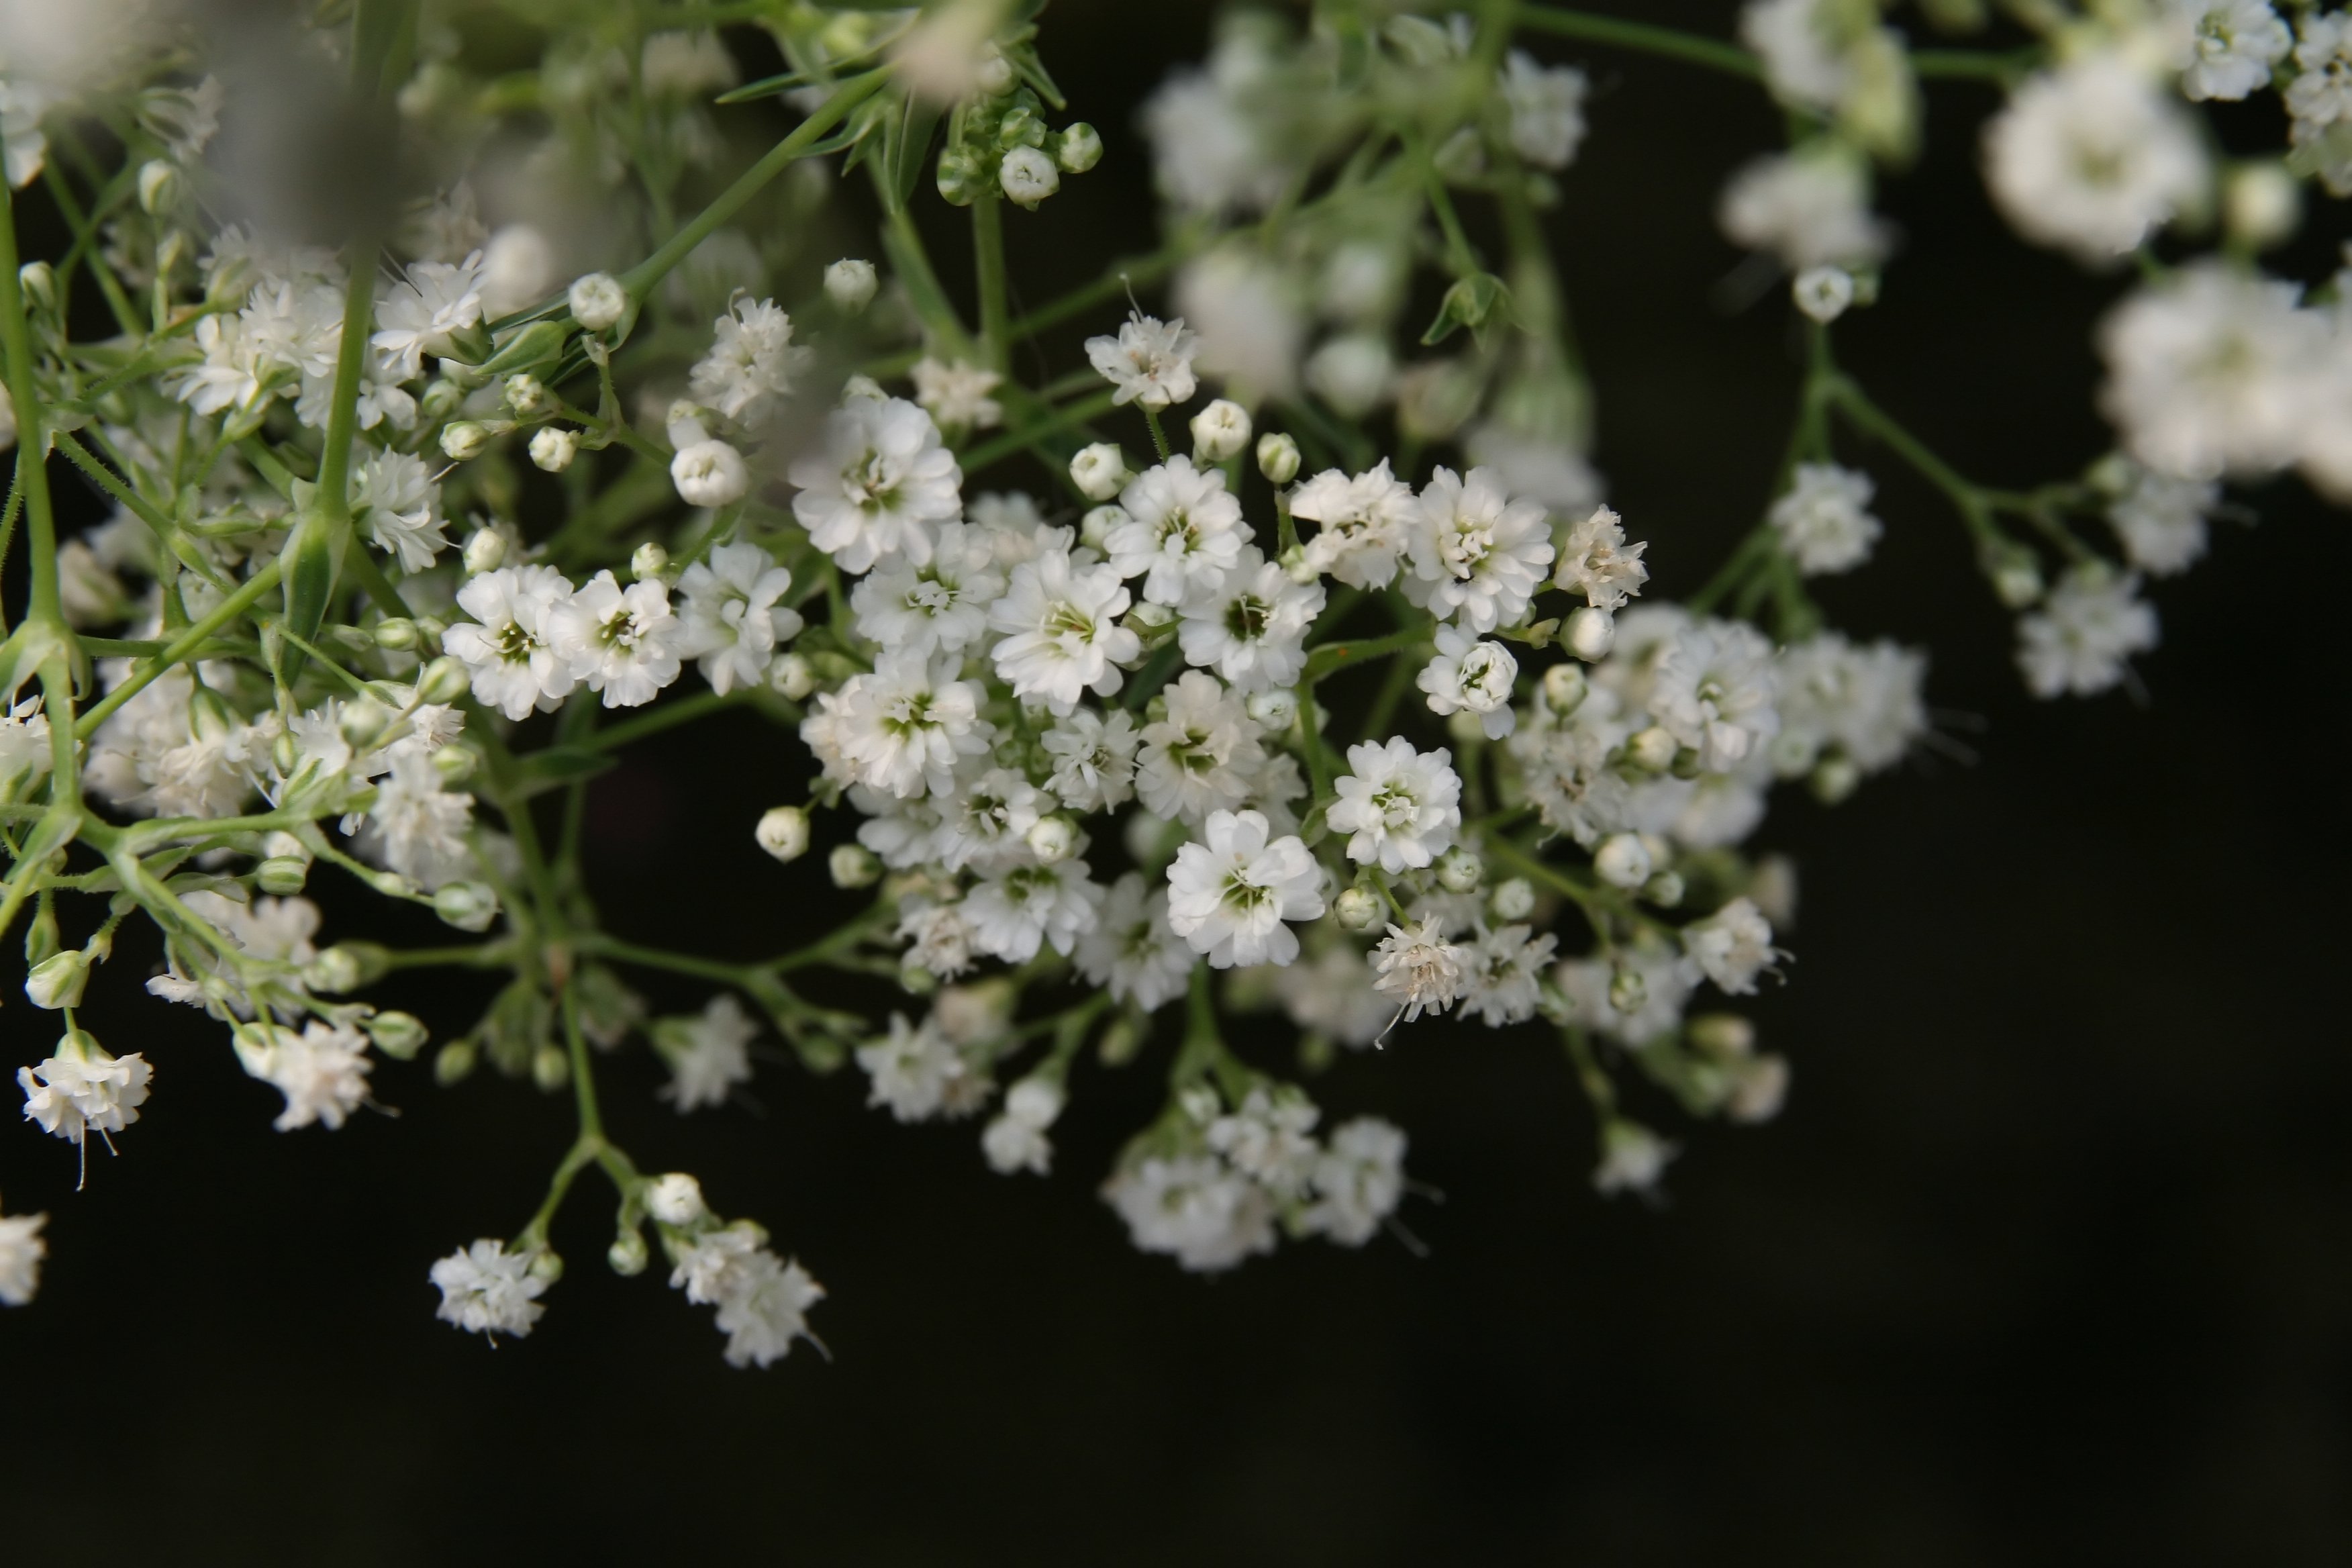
point(1068, 416)
point(1643, 39)
point(1968, 499)
point(1121, 277)
point(1328, 658)
point(180, 647)
point(988, 267)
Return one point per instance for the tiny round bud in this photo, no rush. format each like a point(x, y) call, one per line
point(1687, 763)
point(1759, 1086)
point(549, 1068)
point(1079, 148)
point(648, 562)
point(851, 284)
point(455, 1062)
point(1278, 457)
point(1513, 901)
point(468, 905)
point(1663, 890)
point(160, 184)
point(1220, 431)
point(1628, 991)
point(281, 876)
point(1149, 616)
point(1824, 292)
point(1119, 1043)
point(1053, 839)
point(1652, 750)
point(1099, 471)
point(628, 1256)
point(783, 832)
point(597, 300)
point(992, 73)
point(1275, 709)
point(676, 1199)
point(1623, 860)
point(1835, 779)
point(709, 473)
point(852, 866)
point(1460, 871)
point(554, 449)
point(1027, 176)
point(463, 439)
point(1358, 909)
point(1723, 1035)
point(1094, 529)
point(39, 279)
point(456, 763)
point(58, 980)
point(791, 677)
point(444, 680)
point(486, 550)
point(333, 971)
point(1296, 567)
point(397, 1034)
point(2262, 205)
point(525, 394)
point(1590, 634)
point(397, 632)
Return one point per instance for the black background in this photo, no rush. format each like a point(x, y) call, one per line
point(2045, 1262)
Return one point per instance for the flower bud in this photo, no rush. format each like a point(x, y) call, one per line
point(709, 473)
point(628, 1255)
point(397, 632)
point(783, 832)
point(852, 866)
point(455, 1062)
point(1120, 1043)
point(1725, 1036)
point(649, 562)
point(397, 1034)
point(992, 73)
point(333, 972)
point(525, 394)
point(463, 439)
point(1099, 471)
point(1460, 871)
point(1358, 909)
point(1278, 457)
point(456, 762)
point(58, 980)
point(486, 550)
point(1054, 838)
point(2262, 205)
point(1078, 148)
point(597, 300)
point(1027, 176)
point(160, 185)
point(851, 284)
point(549, 1068)
point(1094, 529)
point(1296, 567)
point(468, 905)
point(1220, 431)
point(1276, 709)
point(1628, 991)
point(1652, 750)
point(1564, 688)
point(676, 1199)
point(281, 876)
point(1759, 1086)
point(39, 279)
point(1663, 890)
point(552, 449)
point(1834, 778)
point(1513, 901)
point(1590, 635)
point(1623, 860)
point(1823, 292)
point(443, 680)
point(959, 174)
point(791, 677)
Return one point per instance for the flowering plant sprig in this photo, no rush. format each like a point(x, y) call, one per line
point(1352, 705)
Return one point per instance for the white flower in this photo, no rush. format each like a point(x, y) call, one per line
point(708, 1055)
point(1365, 521)
point(1478, 556)
point(1714, 691)
point(2077, 643)
point(506, 646)
point(1016, 1141)
point(2226, 48)
point(1632, 1158)
point(21, 1246)
point(1094, 757)
point(2093, 158)
point(1358, 1180)
point(1230, 896)
point(1196, 1208)
point(1822, 293)
point(1418, 969)
point(1811, 208)
point(1149, 363)
point(939, 606)
point(84, 1089)
point(1027, 176)
point(2161, 521)
point(402, 507)
point(1823, 519)
point(2320, 97)
point(957, 394)
point(597, 300)
point(1332, 995)
point(1131, 950)
point(421, 313)
point(1202, 757)
point(851, 283)
point(620, 641)
point(1731, 946)
point(1246, 309)
point(322, 1071)
point(912, 1069)
point(750, 364)
point(1502, 974)
point(730, 617)
point(1634, 1000)
point(1596, 563)
point(1182, 534)
point(901, 728)
point(1269, 1140)
point(1013, 529)
point(486, 1290)
point(1864, 702)
point(1468, 675)
point(1211, 151)
point(1401, 805)
point(1546, 104)
point(2209, 372)
point(881, 487)
point(419, 823)
point(1353, 373)
point(988, 820)
point(762, 1300)
point(1063, 639)
point(1252, 629)
point(709, 474)
point(26, 751)
point(1012, 913)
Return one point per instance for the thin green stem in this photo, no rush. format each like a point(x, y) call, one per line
point(1643, 39)
point(988, 267)
point(181, 646)
point(1068, 416)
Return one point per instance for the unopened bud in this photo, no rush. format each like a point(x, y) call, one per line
point(1723, 1035)
point(1628, 991)
point(1276, 709)
point(397, 1034)
point(1099, 471)
point(39, 279)
point(463, 439)
point(1623, 860)
point(397, 633)
point(628, 1255)
point(549, 1068)
point(1565, 686)
point(1220, 431)
point(552, 449)
point(281, 876)
point(1460, 871)
point(992, 73)
point(1358, 909)
point(676, 1199)
point(58, 980)
point(649, 562)
point(791, 677)
point(783, 832)
point(1278, 457)
point(1590, 634)
point(1652, 750)
point(1079, 148)
point(1119, 1043)
point(852, 866)
point(160, 184)
point(455, 1062)
point(2262, 205)
point(1836, 777)
point(1027, 176)
point(709, 474)
point(597, 300)
point(456, 763)
point(1053, 839)
point(1513, 901)
point(1094, 528)
point(468, 905)
point(851, 284)
point(333, 972)
point(525, 394)
point(485, 551)
point(444, 680)
point(1663, 890)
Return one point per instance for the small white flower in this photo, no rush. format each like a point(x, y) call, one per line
point(1714, 690)
point(1823, 519)
point(709, 474)
point(1365, 524)
point(1195, 1207)
point(1546, 104)
point(1810, 207)
point(21, 1246)
point(552, 449)
point(2092, 158)
point(1353, 373)
point(1731, 946)
point(1822, 293)
point(957, 394)
point(597, 300)
point(1013, 913)
point(1468, 675)
point(1418, 969)
point(402, 507)
point(1478, 556)
point(708, 1055)
point(1131, 950)
point(1358, 1180)
point(418, 824)
point(752, 362)
point(1596, 563)
point(939, 607)
point(2209, 372)
point(83, 1090)
point(1228, 896)
point(1403, 806)
point(1016, 1141)
point(730, 617)
point(1182, 534)
point(2320, 98)
point(515, 665)
point(2161, 521)
point(881, 486)
point(1269, 1140)
point(1632, 1158)
point(1094, 757)
point(620, 641)
point(1063, 639)
point(1502, 977)
point(912, 1069)
point(1027, 176)
point(486, 1290)
point(422, 312)
point(1252, 627)
point(2227, 47)
point(1202, 757)
point(1149, 363)
point(322, 1071)
point(901, 728)
point(2079, 640)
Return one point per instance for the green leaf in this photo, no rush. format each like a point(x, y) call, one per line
point(907, 143)
point(1473, 301)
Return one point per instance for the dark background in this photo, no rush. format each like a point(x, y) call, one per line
point(2045, 1263)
